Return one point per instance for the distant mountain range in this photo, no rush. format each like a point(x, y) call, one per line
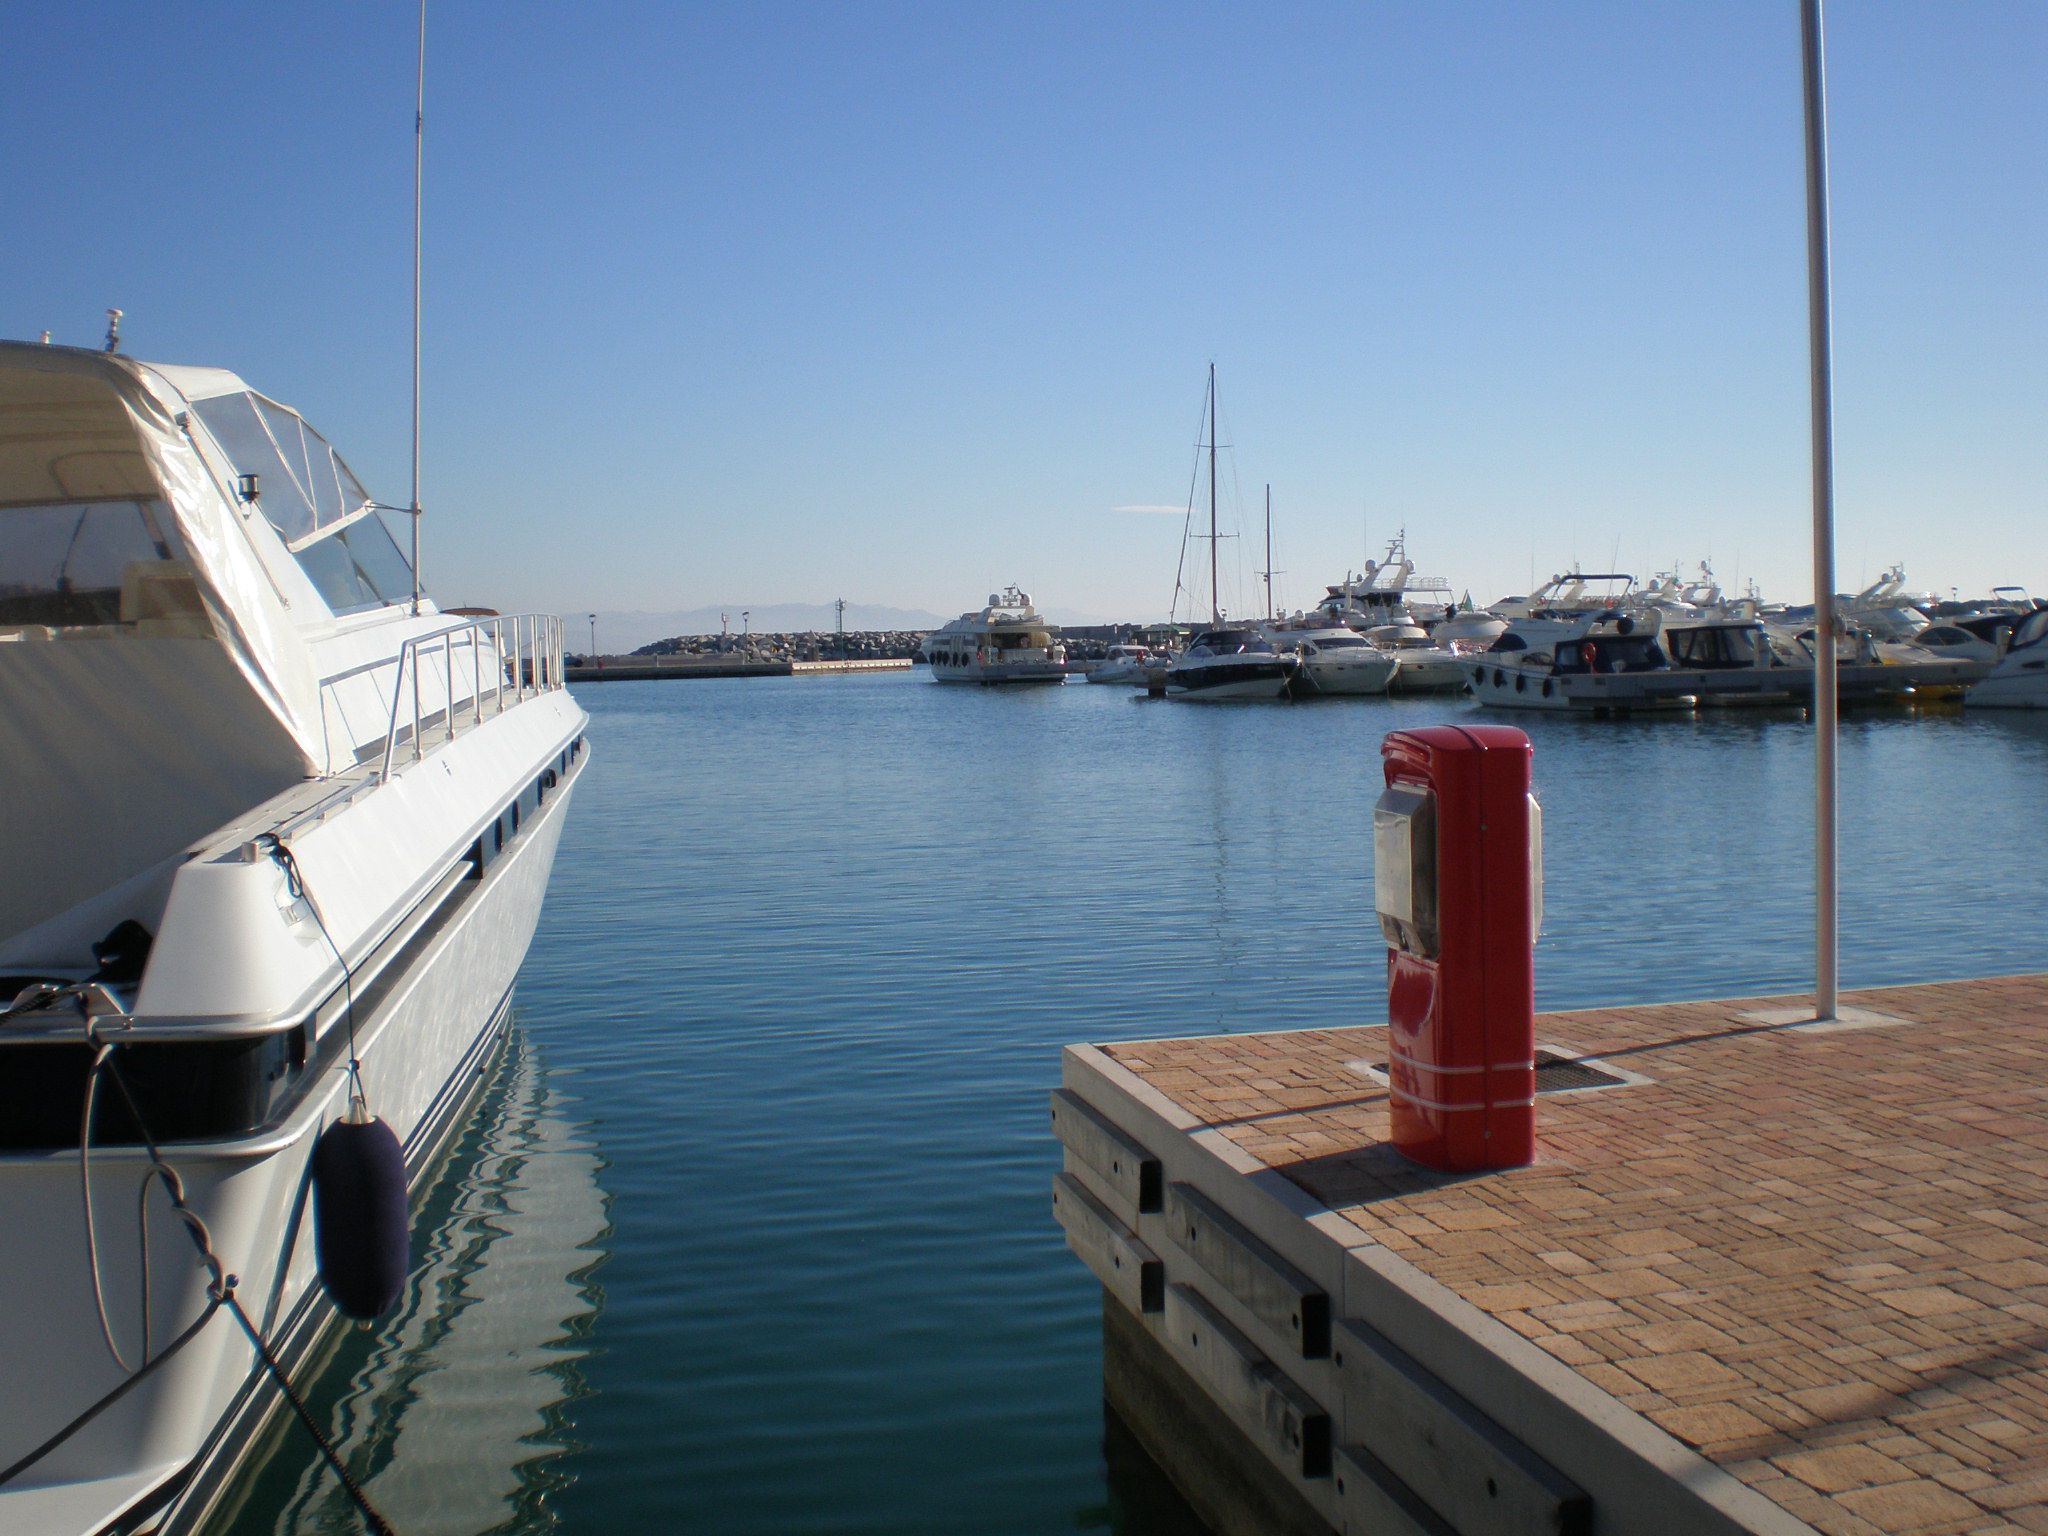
point(618, 633)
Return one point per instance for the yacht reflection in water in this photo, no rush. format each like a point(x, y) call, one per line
point(454, 1413)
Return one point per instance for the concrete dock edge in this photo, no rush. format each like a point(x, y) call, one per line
point(1638, 1476)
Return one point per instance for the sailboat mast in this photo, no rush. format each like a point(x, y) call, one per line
point(1215, 604)
point(1269, 554)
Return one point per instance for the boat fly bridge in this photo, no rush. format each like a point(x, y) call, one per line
point(279, 831)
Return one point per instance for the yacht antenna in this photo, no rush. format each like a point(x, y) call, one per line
point(1215, 603)
point(113, 331)
point(419, 136)
point(1826, 936)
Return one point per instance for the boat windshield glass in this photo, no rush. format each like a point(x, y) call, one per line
point(1229, 642)
point(358, 567)
point(1338, 642)
point(302, 484)
point(65, 564)
point(1712, 647)
point(2031, 630)
point(1610, 653)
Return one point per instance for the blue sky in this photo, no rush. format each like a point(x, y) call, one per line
point(776, 302)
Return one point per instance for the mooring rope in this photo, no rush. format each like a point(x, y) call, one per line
point(220, 1293)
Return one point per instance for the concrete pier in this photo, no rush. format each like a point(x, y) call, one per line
point(1766, 1276)
point(640, 670)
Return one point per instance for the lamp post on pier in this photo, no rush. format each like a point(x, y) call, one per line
point(1820, 368)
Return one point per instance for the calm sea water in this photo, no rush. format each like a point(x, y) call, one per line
point(754, 1235)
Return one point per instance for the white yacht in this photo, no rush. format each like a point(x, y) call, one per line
point(1230, 663)
point(1130, 666)
point(1421, 664)
point(2020, 679)
point(277, 834)
point(1598, 662)
point(1006, 642)
point(1886, 609)
point(1570, 595)
point(1467, 629)
point(1387, 592)
point(1332, 660)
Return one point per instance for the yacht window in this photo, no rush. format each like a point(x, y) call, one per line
point(1338, 642)
point(1509, 642)
point(2031, 629)
point(1944, 634)
point(358, 567)
point(1617, 653)
point(303, 484)
point(63, 564)
point(1713, 647)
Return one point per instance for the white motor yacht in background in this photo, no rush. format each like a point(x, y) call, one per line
point(1230, 663)
point(1388, 592)
point(1974, 637)
point(266, 811)
point(1886, 609)
point(1467, 629)
point(1006, 642)
point(1333, 660)
point(1573, 594)
point(2020, 679)
point(1128, 665)
point(1597, 662)
point(1421, 664)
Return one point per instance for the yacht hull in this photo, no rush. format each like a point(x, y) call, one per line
point(1430, 676)
point(1575, 693)
point(1347, 679)
point(1222, 680)
point(1000, 674)
point(1510, 687)
point(2011, 688)
point(163, 1454)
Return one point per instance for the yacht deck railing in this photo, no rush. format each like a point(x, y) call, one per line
point(457, 678)
point(453, 680)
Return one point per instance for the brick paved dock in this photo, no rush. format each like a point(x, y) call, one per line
point(1808, 1260)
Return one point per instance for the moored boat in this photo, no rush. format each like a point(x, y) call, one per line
point(1005, 642)
point(2020, 679)
point(1421, 664)
point(1331, 661)
point(1230, 663)
point(1596, 662)
point(292, 830)
point(1128, 665)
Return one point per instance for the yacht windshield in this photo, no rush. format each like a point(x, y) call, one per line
point(2032, 629)
point(302, 484)
point(1338, 642)
point(358, 566)
point(1229, 642)
point(1713, 647)
point(65, 564)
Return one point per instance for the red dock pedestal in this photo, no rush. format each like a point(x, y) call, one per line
point(1457, 855)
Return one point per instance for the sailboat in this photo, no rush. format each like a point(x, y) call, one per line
point(1226, 661)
